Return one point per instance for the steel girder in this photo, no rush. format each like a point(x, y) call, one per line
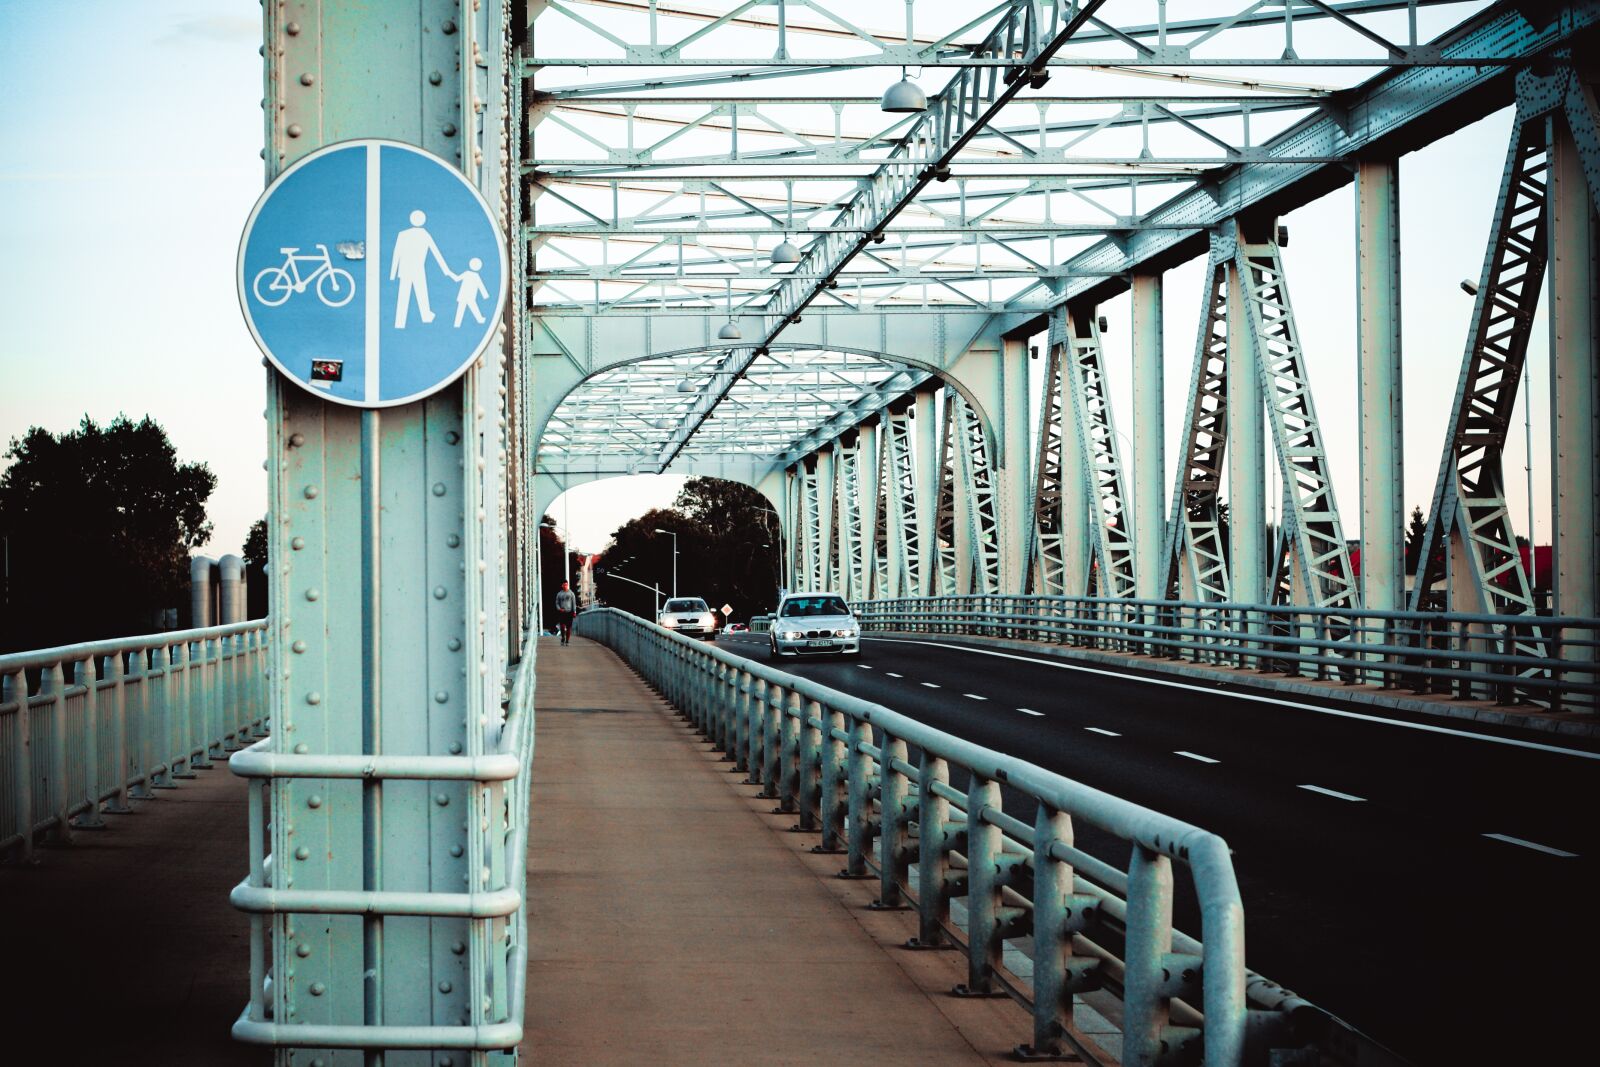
point(944, 576)
point(1101, 479)
point(850, 565)
point(899, 493)
point(882, 505)
point(975, 500)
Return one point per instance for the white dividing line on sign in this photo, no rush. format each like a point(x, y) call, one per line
point(1492, 739)
point(1097, 730)
point(974, 696)
point(1333, 793)
point(1030, 711)
point(1546, 849)
point(371, 382)
point(1203, 759)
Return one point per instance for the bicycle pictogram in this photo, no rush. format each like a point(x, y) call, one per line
point(274, 285)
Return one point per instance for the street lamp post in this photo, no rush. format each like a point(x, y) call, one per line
point(653, 588)
point(674, 537)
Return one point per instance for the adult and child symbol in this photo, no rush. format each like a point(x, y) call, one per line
point(409, 265)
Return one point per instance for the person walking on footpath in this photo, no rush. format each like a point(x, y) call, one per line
point(566, 608)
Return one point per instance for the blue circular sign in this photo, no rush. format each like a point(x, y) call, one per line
point(372, 273)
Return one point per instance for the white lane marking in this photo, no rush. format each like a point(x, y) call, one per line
point(974, 696)
point(1097, 730)
point(1336, 712)
point(1508, 839)
point(1196, 756)
point(1030, 711)
point(863, 666)
point(893, 675)
point(930, 685)
point(1333, 793)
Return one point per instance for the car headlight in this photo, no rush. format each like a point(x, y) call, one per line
point(790, 635)
point(708, 619)
point(669, 623)
point(844, 633)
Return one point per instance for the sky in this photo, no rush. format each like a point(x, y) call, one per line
point(123, 194)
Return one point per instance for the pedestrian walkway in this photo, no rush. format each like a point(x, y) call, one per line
point(673, 919)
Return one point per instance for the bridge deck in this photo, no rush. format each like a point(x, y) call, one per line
point(672, 919)
point(675, 921)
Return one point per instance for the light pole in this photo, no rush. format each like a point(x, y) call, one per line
point(778, 525)
point(674, 537)
point(653, 588)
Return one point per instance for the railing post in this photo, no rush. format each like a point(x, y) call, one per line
point(146, 731)
point(833, 804)
point(118, 805)
point(984, 914)
point(1147, 1036)
point(14, 689)
point(894, 830)
point(86, 674)
point(741, 720)
point(771, 747)
point(859, 767)
point(1058, 913)
point(811, 741)
point(936, 836)
point(786, 709)
point(52, 682)
point(178, 680)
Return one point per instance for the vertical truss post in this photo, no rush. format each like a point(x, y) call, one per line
point(874, 563)
point(1111, 535)
point(946, 534)
point(812, 524)
point(898, 491)
point(1149, 417)
point(1575, 364)
point(1194, 559)
point(849, 502)
point(1325, 576)
point(791, 529)
point(1012, 504)
point(928, 478)
point(1048, 565)
point(1378, 370)
point(387, 535)
point(823, 573)
point(1469, 518)
point(1246, 452)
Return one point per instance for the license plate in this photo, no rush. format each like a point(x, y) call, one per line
point(819, 644)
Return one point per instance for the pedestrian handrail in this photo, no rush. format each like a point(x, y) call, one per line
point(84, 728)
point(493, 904)
point(845, 767)
point(1549, 660)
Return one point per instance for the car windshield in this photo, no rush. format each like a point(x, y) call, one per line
point(686, 605)
point(803, 606)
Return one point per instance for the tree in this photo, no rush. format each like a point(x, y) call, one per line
point(1416, 530)
point(728, 542)
point(254, 552)
point(99, 522)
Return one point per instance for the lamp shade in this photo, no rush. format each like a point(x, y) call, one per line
point(786, 253)
point(730, 331)
point(904, 97)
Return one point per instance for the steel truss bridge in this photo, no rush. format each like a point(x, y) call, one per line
point(735, 262)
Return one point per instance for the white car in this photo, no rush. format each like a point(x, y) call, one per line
point(814, 624)
point(690, 617)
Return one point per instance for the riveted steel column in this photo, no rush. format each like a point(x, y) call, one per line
point(1149, 456)
point(926, 423)
point(821, 576)
point(1378, 363)
point(936, 836)
point(868, 467)
point(1246, 454)
point(387, 583)
point(1574, 379)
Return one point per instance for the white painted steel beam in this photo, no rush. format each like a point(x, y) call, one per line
point(1378, 371)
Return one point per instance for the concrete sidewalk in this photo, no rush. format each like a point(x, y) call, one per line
point(673, 919)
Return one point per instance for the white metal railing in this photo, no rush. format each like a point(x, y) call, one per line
point(1038, 917)
point(493, 904)
point(1553, 661)
point(86, 727)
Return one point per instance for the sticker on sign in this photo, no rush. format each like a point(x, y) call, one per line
point(372, 273)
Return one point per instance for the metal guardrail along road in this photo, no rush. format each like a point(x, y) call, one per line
point(1548, 660)
point(85, 727)
point(1098, 935)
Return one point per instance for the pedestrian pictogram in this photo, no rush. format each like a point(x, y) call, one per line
point(348, 265)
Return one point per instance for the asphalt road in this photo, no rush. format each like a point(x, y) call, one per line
point(1431, 882)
